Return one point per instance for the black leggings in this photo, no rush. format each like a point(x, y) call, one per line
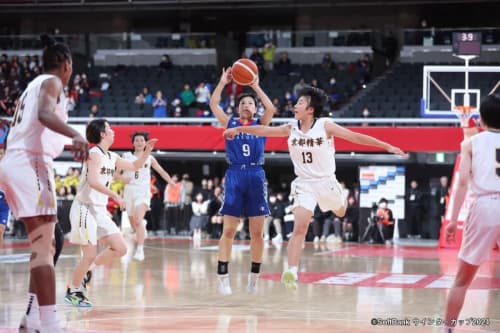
point(59, 242)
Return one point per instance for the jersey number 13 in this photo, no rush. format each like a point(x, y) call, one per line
point(307, 157)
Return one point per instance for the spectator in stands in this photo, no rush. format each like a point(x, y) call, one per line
point(284, 65)
point(94, 111)
point(298, 86)
point(276, 215)
point(327, 62)
point(148, 98)
point(4, 60)
point(414, 202)
point(7, 104)
point(199, 219)
point(315, 83)
point(268, 53)
point(202, 96)
point(70, 102)
point(350, 221)
point(174, 202)
point(257, 57)
point(156, 216)
point(365, 67)
point(140, 100)
point(177, 112)
point(187, 96)
point(229, 103)
point(277, 107)
point(159, 105)
point(365, 114)
point(165, 63)
point(213, 211)
point(233, 89)
point(288, 109)
point(84, 95)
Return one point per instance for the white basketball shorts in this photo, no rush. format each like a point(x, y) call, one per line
point(134, 196)
point(481, 230)
point(89, 223)
point(28, 183)
point(325, 192)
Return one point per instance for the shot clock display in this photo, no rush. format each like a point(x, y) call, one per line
point(467, 43)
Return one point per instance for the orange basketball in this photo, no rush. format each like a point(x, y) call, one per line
point(244, 72)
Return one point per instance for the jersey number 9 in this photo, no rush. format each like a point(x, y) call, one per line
point(246, 149)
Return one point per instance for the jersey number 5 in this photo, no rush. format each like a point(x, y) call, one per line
point(307, 157)
point(498, 162)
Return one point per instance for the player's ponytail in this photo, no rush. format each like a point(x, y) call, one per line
point(54, 53)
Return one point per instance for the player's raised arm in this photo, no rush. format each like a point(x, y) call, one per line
point(335, 130)
point(158, 168)
point(259, 130)
point(269, 107)
point(127, 165)
point(221, 116)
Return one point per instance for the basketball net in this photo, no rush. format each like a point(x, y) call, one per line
point(464, 114)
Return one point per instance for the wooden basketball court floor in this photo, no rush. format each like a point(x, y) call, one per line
point(346, 287)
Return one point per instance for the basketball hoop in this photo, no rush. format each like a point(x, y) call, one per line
point(464, 114)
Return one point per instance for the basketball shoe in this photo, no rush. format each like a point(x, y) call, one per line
point(289, 279)
point(76, 297)
point(252, 283)
point(29, 327)
point(224, 285)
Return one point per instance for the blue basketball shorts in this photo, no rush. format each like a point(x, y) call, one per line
point(245, 192)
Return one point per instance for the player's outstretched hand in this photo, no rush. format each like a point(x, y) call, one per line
point(226, 76)
point(80, 148)
point(397, 151)
point(255, 82)
point(119, 200)
point(451, 230)
point(150, 145)
point(230, 133)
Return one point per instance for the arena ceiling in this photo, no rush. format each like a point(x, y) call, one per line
point(131, 5)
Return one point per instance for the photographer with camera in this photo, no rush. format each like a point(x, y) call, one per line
point(385, 220)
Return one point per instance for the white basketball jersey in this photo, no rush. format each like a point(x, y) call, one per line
point(27, 132)
point(312, 153)
point(143, 175)
point(88, 195)
point(485, 163)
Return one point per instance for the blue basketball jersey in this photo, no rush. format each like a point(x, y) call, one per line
point(245, 149)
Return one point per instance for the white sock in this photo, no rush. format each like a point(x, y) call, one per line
point(293, 269)
point(48, 314)
point(33, 310)
point(140, 248)
point(73, 288)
